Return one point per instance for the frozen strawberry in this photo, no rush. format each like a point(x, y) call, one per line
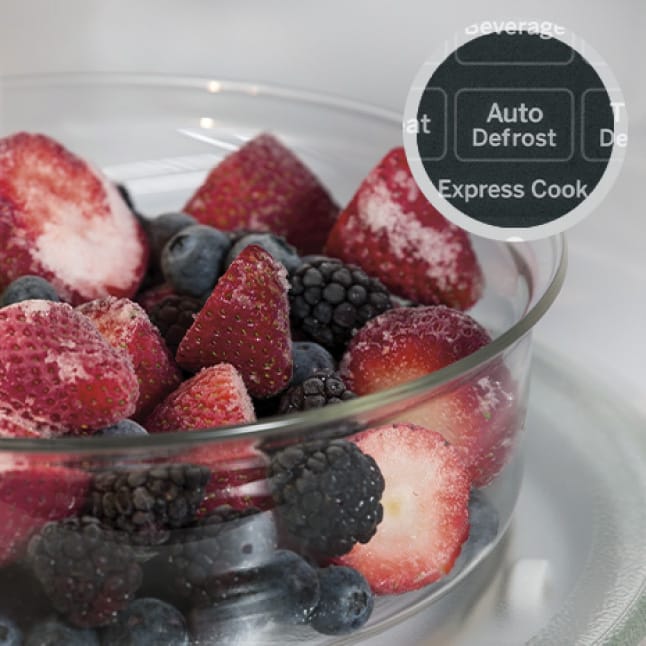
point(245, 322)
point(126, 326)
point(480, 417)
point(58, 374)
point(62, 220)
point(32, 494)
point(425, 503)
point(264, 187)
point(215, 396)
point(151, 297)
point(393, 233)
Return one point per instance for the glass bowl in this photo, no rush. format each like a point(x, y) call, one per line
point(158, 136)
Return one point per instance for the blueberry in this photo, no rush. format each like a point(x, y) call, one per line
point(278, 247)
point(55, 633)
point(309, 357)
point(125, 195)
point(346, 601)
point(162, 228)
point(192, 259)
point(10, 634)
point(147, 622)
point(123, 428)
point(285, 588)
point(27, 287)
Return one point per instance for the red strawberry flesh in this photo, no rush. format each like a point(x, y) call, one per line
point(393, 233)
point(425, 504)
point(62, 220)
point(264, 187)
point(245, 322)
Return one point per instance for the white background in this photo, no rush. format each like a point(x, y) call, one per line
point(371, 50)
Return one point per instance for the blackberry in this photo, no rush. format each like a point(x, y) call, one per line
point(322, 388)
point(147, 502)
point(28, 287)
point(85, 569)
point(327, 494)
point(330, 300)
point(147, 622)
point(227, 540)
point(173, 316)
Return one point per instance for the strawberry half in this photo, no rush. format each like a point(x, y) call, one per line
point(62, 220)
point(33, 494)
point(425, 502)
point(245, 322)
point(395, 234)
point(126, 326)
point(58, 374)
point(481, 417)
point(215, 396)
point(263, 186)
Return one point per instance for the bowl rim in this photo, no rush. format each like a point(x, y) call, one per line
point(282, 425)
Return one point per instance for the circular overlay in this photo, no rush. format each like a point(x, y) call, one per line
point(518, 133)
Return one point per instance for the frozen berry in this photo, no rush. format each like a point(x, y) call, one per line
point(277, 246)
point(321, 388)
point(308, 357)
point(192, 259)
point(346, 601)
point(26, 288)
point(55, 633)
point(124, 428)
point(147, 502)
point(330, 300)
point(162, 228)
point(173, 316)
point(147, 622)
point(10, 634)
point(327, 494)
point(86, 570)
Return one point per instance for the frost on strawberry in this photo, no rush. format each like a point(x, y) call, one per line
point(263, 186)
point(245, 322)
point(425, 509)
point(479, 416)
point(62, 220)
point(395, 234)
point(58, 374)
point(125, 326)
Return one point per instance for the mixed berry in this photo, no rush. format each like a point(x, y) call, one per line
point(260, 298)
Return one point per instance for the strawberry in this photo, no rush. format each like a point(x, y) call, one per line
point(425, 505)
point(62, 220)
point(245, 322)
point(32, 494)
point(263, 186)
point(58, 374)
point(215, 396)
point(126, 326)
point(393, 233)
point(479, 417)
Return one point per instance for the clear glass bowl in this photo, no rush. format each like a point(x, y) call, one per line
point(159, 136)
